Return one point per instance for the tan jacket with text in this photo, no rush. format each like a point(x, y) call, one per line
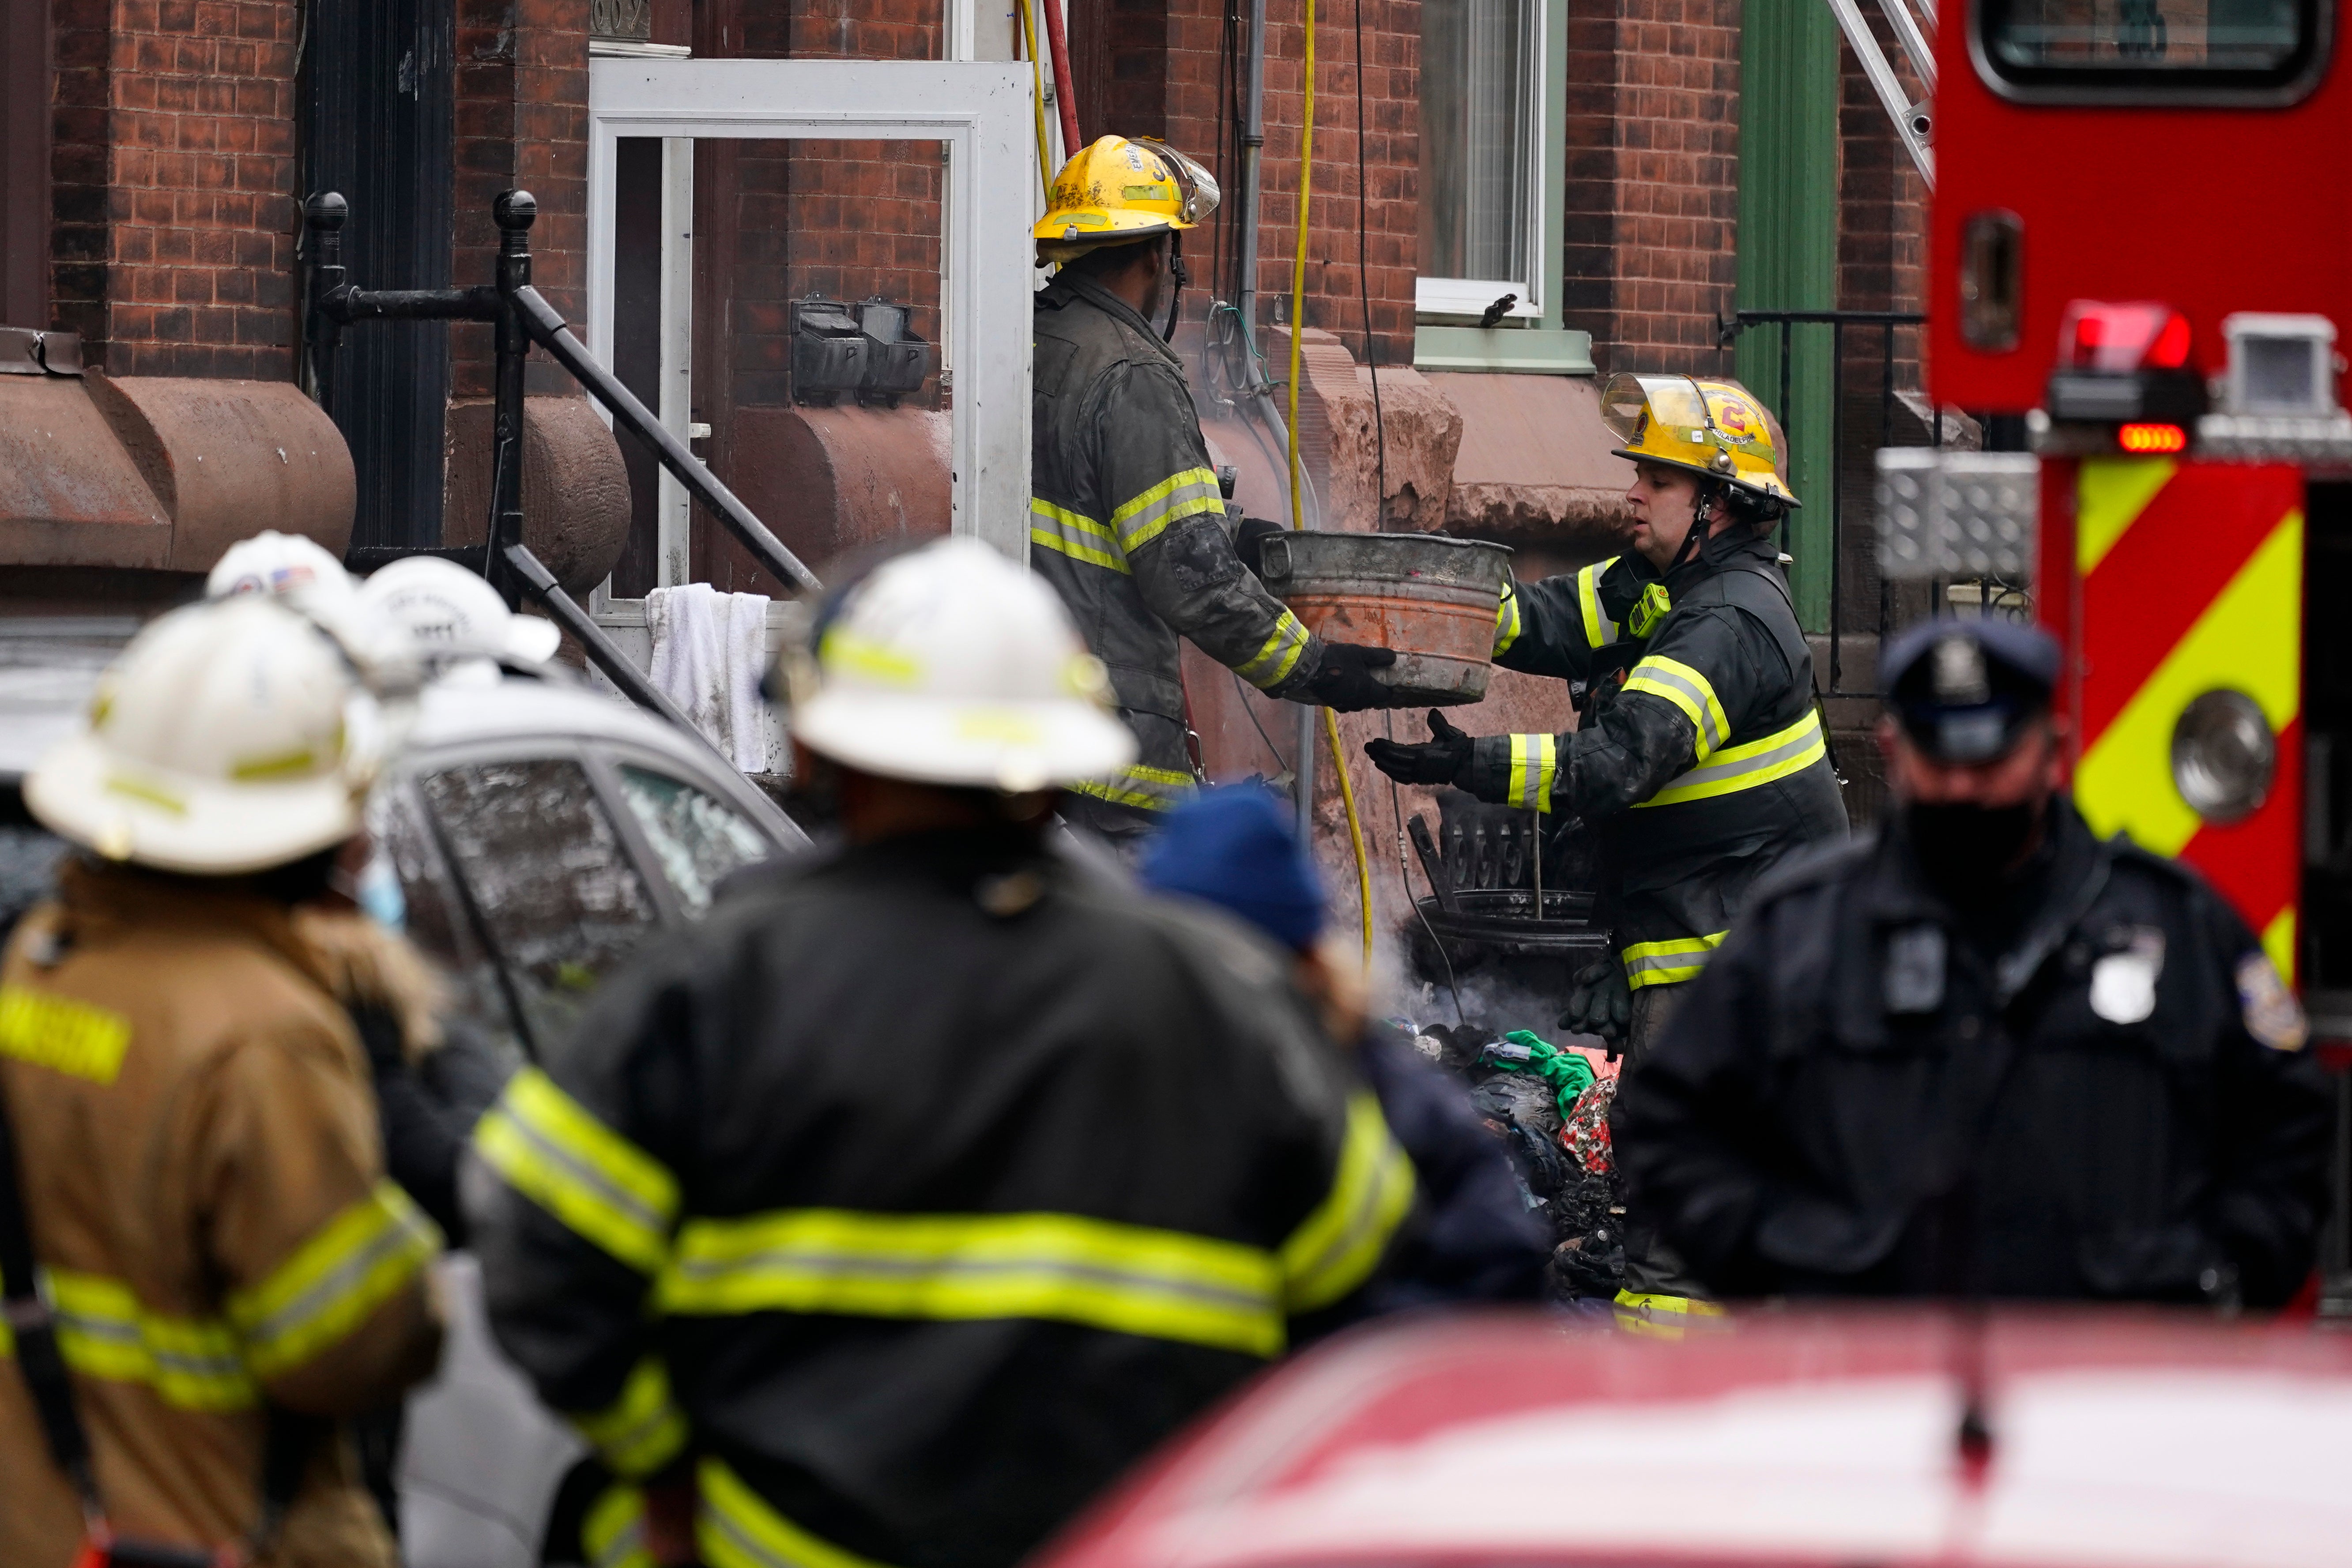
point(204, 1181)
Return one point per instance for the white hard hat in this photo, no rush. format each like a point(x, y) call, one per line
point(953, 666)
point(229, 737)
point(447, 611)
point(299, 573)
point(280, 565)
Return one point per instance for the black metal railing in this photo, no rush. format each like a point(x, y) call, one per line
point(522, 316)
point(1887, 323)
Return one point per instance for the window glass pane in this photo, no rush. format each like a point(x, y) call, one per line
point(697, 839)
point(1477, 140)
point(563, 903)
point(434, 916)
point(2196, 43)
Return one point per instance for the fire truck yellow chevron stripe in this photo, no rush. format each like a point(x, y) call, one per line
point(2110, 495)
point(2248, 639)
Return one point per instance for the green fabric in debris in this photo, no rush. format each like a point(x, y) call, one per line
point(1567, 1072)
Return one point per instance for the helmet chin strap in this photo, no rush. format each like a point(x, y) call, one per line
point(1176, 287)
point(1702, 523)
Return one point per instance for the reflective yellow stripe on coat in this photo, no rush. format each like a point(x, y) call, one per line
point(555, 1152)
point(738, 1529)
point(1143, 517)
point(1075, 535)
point(1600, 631)
point(1671, 961)
point(1689, 690)
point(1535, 763)
point(1125, 1278)
point(1272, 664)
point(1506, 619)
point(335, 1280)
point(105, 1332)
point(643, 1429)
point(1750, 766)
point(1145, 788)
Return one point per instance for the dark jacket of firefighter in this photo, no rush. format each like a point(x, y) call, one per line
point(922, 1189)
point(2107, 1094)
point(1698, 760)
point(1126, 520)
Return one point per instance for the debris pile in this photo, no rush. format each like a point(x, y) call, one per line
point(1549, 1106)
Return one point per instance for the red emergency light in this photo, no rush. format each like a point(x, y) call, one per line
point(2152, 439)
point(2126, 365)
point(2117, 340)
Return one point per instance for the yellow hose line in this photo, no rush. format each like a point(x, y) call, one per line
point(1355, 831)
point(1298, 266)
point(1037, 98)
point(1298, 510)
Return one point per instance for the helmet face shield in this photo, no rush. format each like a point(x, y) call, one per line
point(1711, 427)
point(1200, 192)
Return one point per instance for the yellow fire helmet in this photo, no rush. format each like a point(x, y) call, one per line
point(1119, 190)
point(1712, 427)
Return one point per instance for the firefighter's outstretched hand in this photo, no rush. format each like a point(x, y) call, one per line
point(1344, 681)
point(1440, 760)
point(1600, 1003)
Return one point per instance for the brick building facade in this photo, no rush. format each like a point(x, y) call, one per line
point(156, 212)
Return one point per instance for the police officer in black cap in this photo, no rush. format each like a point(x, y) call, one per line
point(1982, 1052)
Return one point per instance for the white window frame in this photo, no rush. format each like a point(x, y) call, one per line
point(979, 109)
point(1456, 299)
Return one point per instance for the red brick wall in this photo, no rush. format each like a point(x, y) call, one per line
point(521, 113)
point(1652, 198)
point(174, 171)
point(1163, 67)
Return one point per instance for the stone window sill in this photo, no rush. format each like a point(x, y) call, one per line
point(1526, 350)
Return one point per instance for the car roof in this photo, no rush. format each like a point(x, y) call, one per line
point(2119, 1440)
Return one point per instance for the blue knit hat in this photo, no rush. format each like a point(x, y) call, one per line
point(1234, 848)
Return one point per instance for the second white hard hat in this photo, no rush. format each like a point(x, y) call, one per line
point(229, 737)
point(447, 611)
point(951, 665)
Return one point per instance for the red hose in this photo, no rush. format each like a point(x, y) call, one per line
point(1057, 39)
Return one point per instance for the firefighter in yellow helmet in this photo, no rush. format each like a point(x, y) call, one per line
point(1698, 761)
point(1126, 518)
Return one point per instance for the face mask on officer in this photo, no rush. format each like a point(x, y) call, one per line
point(1973, 754)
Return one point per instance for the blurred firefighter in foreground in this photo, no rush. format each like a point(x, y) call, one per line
point(1983, 1052)
point(935, 1179)
point(1698, 757)
point(195, 1156)
point(1126, 518)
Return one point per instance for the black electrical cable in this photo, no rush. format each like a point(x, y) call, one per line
point(1364, 286)
point(1396, 810)
point(1279, 760)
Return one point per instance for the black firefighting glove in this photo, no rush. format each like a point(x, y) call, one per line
point(1442, 759)
point(1252, 532)
point(1599, 1004)
point(1344, 681)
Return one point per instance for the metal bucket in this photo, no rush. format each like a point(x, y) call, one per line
point(1433, 600)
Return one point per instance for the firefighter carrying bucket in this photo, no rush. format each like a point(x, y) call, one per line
point(1125, 515)
point(1700, 760)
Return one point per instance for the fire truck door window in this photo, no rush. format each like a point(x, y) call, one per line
point(558, 901)
point(697, 839)
point(2208, 50)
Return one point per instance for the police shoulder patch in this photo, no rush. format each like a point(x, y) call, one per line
point(2271, 1013)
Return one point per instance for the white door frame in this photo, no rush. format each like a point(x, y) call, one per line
point(981, 110)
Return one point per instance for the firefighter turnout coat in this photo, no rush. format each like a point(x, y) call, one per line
point(2112, 1097)
point(919, 1192)
point(201, 1171)
point(1126, 520)
point(1699, 759)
